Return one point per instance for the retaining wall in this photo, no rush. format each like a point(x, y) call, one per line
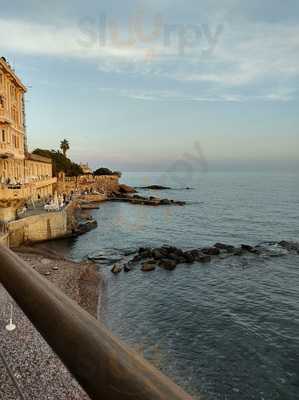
point(39, 228)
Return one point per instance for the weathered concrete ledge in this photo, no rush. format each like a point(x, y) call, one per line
point(4, 239)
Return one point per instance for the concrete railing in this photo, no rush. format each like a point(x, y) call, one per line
point(104, 367)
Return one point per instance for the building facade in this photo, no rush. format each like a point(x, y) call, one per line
point(12, 113)
point(23, 176)
point(86, 169)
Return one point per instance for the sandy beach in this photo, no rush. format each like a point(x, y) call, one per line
point(38, 372)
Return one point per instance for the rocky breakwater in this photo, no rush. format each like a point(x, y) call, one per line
point(83, 221)
point(159, 187)
point(169, 257)
point(128, 194)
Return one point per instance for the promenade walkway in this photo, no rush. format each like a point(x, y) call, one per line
point(38, 372)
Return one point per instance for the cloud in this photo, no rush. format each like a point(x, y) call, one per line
point(250, 54)
point(282, 95)
point(264, 57)
point(34, 39)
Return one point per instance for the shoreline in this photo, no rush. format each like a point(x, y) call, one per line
point(37, 369)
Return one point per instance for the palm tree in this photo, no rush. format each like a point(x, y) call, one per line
point(65, 146)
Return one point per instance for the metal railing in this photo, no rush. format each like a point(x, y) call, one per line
point(104, 367)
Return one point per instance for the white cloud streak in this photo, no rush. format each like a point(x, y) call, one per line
point(244, 56)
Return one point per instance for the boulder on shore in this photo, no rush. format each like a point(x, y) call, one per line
point(154, 187)
point(204, 258)
point(149, 266)
point(122, 188)
point(116, 269)
point(248, 248)
point(211, 251)
point(290, 246)
point(226, 247)
point(168, 264)
point(127, 267)
point(189, 257)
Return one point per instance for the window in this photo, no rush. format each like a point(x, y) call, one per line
point(3, 136)
point(17, 142)
point(1, 101)
point(14, 114)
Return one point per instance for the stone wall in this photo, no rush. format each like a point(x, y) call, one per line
point(4, 239)
point(38, 228)
point(105, 184)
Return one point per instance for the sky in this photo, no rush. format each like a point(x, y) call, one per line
point(138, 85)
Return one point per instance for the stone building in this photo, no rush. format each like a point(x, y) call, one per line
point(23, 176)
point(86, 169)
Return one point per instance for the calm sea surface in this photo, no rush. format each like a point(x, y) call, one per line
point(226, 330)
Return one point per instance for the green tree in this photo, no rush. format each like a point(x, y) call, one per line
point(60, 162)
point(64, 146)
point(106, 171)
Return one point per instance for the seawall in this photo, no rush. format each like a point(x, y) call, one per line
point(42, 227)
point(54, 225)
point(4, 239)
point(105, 183)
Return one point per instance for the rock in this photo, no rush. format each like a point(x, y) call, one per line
point(181, 260)
point(127, 268)
point(168, 264)
point(284, 244)
point(105, 258)
point(290, 246)
point(153, 202)
point(238, 252)
point(271, 249)
point(248, 248)
point(154, 187)
point(165, 249)
point(175, 257)
point(129, 252)
point(84, 227)
point(195, 252)
point(189, 257)
point(126, 189)
point(211, 251)
point(165, 202)
point(179, 252)
point(116, 269)
point(204, 258)
point(137, 258)
point(225, 247)
point(157, 254)
point(146, 253)
point(149, 266)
